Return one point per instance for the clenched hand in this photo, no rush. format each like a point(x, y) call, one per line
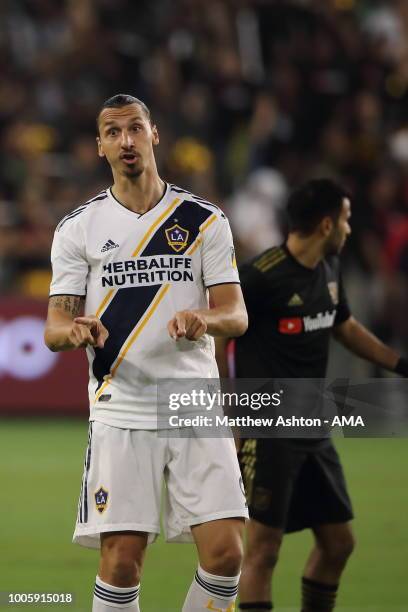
point(187, 324)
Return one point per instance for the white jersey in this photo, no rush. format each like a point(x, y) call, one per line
point(136, 271)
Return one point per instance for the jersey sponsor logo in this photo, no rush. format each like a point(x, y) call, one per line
point(108, 246)
point(295, 300)
point(290, 326)
point(147, 271)
point(320, 321)
point(101, 499)
point(177, 237)
point(333, 288)
point(295, 325)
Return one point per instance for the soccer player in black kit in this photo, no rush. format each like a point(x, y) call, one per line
point(295, 301)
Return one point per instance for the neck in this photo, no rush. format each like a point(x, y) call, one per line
point(139, 194)
point(308, 251)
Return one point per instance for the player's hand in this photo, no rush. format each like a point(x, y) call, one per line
point(88, 330)
point(187, 324)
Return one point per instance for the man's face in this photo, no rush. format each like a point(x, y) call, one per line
point(126, 138)
point(340, 231)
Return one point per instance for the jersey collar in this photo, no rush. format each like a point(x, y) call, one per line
point(136, 215)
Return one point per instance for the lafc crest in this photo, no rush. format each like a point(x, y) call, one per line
point(101, 499)
point(177, 237)
point(334, 292)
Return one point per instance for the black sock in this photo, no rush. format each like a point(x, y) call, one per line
point(256, 606)
point(318, 597)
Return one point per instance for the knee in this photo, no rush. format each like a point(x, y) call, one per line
point(125, 572)
point(225, 559)
point(121, 564)
point(338, 551)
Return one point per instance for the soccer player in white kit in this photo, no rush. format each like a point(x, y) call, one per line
point(135, 270)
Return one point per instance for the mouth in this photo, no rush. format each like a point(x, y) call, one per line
point(129, 158)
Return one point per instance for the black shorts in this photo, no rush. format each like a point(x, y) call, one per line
point(294, 485)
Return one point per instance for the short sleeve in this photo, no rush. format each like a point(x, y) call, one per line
point(253, 287)
point(218, 254)
point(69, 266)
point(343, 310)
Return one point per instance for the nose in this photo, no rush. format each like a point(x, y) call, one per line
point(126, 139)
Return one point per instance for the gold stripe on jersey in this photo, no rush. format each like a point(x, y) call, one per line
point(104, 302)
point(151, 229)
point(272, 263)
point(270, 260)
point(198, 240)
point(270, 253)
point(110, 293)
point(138, 329)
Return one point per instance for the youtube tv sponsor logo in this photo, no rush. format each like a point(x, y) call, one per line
point(293, 325)
point(296, 325)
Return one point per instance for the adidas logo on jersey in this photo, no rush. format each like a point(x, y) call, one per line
point(295, 300)
point(108, 246)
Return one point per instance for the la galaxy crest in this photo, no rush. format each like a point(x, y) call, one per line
point(334, 292)
point(101, 499)
point(177, 237)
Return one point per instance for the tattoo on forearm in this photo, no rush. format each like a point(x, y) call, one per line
point(72, 304)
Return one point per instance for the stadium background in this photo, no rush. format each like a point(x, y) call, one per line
point(251, 98)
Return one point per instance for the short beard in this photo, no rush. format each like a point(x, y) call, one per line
point(332, 249)
point(134, 174)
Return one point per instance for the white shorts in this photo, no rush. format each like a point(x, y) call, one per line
point(123, 476)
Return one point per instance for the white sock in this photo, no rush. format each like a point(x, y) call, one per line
point(209, 592)
point(108, 598)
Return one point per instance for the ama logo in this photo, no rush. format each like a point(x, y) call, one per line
point(177, 237)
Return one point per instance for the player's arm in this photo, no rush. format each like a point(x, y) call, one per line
point(66, 328)
point(226, 317)
point(360, 341)
point(221, 356)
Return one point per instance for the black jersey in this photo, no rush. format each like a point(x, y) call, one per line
point(292, 310)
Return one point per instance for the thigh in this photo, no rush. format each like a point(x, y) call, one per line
point(203, 484)
point(320, 495)
point(121, 485)
point(270, 468)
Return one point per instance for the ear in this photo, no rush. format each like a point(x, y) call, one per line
point(100, 150)
point(326, 226)
point(156, 138)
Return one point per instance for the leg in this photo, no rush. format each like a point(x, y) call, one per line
point(219, 546)
point(261, 556)
point(205, 496)
point(120, 490)
point(334, 544)
point(269, 468)
point(122, 556)
point(118, 581)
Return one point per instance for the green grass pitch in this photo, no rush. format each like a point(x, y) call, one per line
point(40, 472)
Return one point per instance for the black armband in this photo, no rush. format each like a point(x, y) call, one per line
point(402, 367)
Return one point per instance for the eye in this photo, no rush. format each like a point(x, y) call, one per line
point(112, 132)
point(137, 127)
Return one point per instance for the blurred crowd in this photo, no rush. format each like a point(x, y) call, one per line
point(251, 98)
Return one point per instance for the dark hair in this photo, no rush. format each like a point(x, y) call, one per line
point(309, 204)
point(122, 100)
